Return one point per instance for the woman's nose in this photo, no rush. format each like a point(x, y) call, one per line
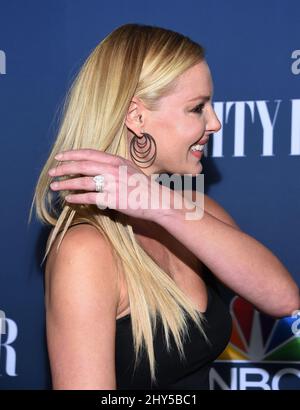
point(213, 123)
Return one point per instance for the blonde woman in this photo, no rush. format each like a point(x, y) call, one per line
point(128, 304)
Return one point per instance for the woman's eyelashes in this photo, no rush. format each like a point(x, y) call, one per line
point(198, 109)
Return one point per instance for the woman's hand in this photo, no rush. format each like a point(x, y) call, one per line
point(126, 188)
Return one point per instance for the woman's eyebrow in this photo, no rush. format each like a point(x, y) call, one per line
point(201, 97)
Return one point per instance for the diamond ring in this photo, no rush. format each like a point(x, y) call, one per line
point(99, 181)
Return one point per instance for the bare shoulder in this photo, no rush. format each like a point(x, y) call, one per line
point(84, 250)
point(81, 298)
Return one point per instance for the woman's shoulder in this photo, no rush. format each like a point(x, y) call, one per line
point(78, 229)
point(80, 239)
point(83, 256)
point(76, 235)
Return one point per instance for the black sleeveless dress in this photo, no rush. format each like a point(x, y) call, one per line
point(172, 372)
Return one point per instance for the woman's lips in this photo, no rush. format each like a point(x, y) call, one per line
point(197, 154)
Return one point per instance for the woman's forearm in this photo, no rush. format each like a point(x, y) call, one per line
point(236, 259)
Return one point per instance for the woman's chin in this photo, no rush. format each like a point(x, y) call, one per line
point(195, 168)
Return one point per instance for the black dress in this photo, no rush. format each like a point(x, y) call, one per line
point(172, 372)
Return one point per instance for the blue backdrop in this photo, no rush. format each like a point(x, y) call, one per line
point(251, 167)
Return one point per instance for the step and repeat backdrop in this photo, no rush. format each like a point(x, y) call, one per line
point(251, 166)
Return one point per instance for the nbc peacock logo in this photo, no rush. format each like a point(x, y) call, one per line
point(263, 352)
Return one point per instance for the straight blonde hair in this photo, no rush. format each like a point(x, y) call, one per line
point(133, 60)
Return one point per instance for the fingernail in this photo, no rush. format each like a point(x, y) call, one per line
point(58, 156)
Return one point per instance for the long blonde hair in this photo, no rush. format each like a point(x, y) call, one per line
point(144, 61)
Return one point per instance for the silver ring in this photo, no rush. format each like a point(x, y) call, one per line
point(99, 181)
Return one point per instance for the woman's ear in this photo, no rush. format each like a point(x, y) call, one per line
point(134, 118)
